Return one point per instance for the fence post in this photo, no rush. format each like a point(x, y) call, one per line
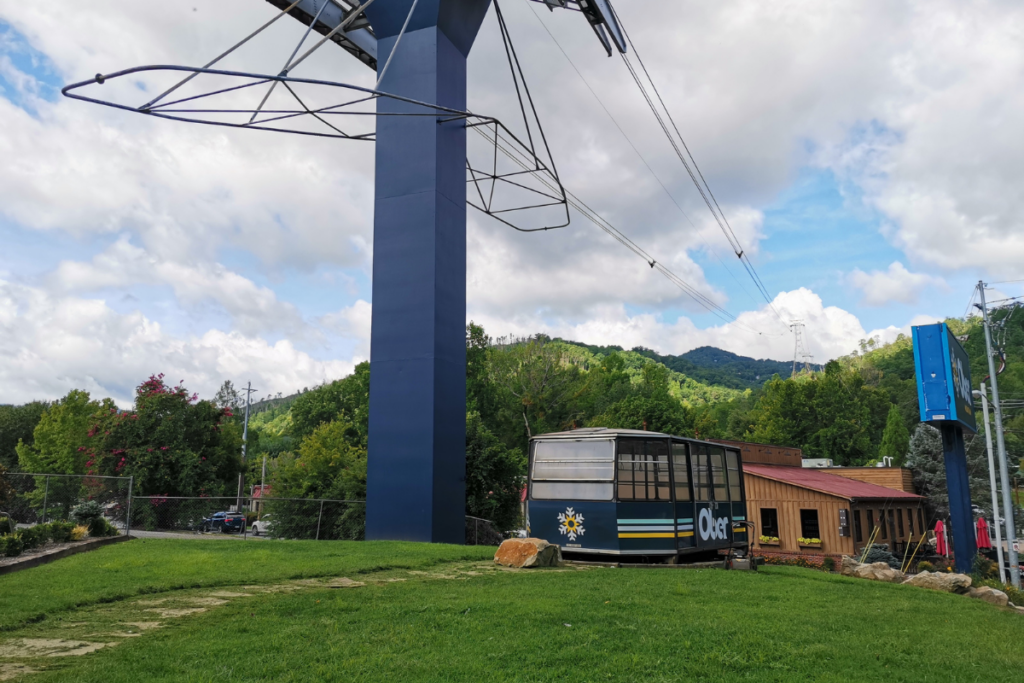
point(46, 495)
point(318, 519)
point(476, 531)
point(128, 518)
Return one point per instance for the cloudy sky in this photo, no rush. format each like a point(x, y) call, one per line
point(866, 152)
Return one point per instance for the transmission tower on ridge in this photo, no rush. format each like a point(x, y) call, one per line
point(801, 354)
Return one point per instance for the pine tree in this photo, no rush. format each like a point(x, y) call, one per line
point(895, 438)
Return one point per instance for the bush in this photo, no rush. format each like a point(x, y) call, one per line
point(829, 564)
point(86, 512)
point(60, 532)
point(13, 545)
point(925, 566)
point(983, 569)
point(33, 537)
point(99, 527)
point(880, 553)
point(6, 525)
point(79, 532)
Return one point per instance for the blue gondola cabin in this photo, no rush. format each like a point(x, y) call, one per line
point(629, 492)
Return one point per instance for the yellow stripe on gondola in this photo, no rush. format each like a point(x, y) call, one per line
point(657, 535)
point(653, 535)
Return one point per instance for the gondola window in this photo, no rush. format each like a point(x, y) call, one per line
point(643, 470)
point(681, 472)
point(574, 470)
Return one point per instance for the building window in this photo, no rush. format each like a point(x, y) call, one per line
point(858, 530)
point(882, 531)
point(899, 521)
point(681, 472)
point(770, 522)
point(871, 523)
point(643, 470)
point(920, 520)
point(910, 522)
point(809, 524)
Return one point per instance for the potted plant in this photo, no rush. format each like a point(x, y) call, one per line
point(769, 540)
point(809, 542)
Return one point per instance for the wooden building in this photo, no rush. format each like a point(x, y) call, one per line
point(790, 503)
point(765, 453)
point(901, 478)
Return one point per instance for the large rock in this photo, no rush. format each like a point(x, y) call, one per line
point(528, 552)
point(876, 571)
point(936, 581)
point(996, 597)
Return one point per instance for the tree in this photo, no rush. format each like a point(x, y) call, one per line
point(348, 397)
point(926, 459)
point(17, 424)
point(60, 437)
point(330, 466)
point(227, 396)
point(895, 438)
point(495, 476)
point(172, 443)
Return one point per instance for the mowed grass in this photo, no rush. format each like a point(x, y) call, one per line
point(462, 620)
point(144, 566)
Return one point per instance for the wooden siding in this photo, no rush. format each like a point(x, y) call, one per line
point(766, 454)
point(899, 478)
point(788, 500)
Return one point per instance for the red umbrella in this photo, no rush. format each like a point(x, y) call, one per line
point(940, 539)
point(983, 540)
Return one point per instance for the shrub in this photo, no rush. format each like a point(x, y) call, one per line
point(35, 536)
point(60, 532)
point(925, 566)
point(79, 532)
point(6, 525)
point(880, 553)
point(984, 568)
point(99, 527)
point(86, 512)
point(829, 564)
point(13, 545)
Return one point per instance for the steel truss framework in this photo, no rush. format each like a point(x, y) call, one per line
point(513, 180)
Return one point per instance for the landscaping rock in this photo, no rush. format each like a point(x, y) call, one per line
point(876, 571)
point(996, 597)
point(528, 552)
point(937, 581)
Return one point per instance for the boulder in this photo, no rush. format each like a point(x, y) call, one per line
point(937, 581)
point(996, 597)
point(878, 571)
point(848, 566)
point(528, 552)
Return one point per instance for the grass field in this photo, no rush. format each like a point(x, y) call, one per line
point(437, 613)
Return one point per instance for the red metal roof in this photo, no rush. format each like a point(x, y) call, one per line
point(832, 484)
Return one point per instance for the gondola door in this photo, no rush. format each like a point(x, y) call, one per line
point(683, 497)
point(712, 511)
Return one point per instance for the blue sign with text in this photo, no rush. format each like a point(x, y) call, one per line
point(943, 377)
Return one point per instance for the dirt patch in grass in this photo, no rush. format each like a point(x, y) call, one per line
point(47, 647)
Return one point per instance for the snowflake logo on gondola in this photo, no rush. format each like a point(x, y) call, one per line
point(571, 523)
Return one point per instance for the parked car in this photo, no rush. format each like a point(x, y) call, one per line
point(224, 522)
point(264, 525)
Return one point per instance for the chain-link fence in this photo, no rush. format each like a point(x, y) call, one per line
point(30, 499)
point(295, 518)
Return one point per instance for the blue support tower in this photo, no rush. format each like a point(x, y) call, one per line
point(958, 486)
point(417, 433)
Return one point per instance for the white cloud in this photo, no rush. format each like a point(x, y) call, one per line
point(253, 309)
point(352, 322)
point(898, 284)
point(51, 344)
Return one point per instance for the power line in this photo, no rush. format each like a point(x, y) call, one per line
point(702, 186)
point(699, 232)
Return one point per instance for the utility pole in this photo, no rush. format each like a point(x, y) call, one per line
point(1004, 474)
point(992, 483)
point(263, 482)
point(245, 442)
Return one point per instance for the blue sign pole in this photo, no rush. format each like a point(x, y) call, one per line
point(417, 429)
point(946, 402)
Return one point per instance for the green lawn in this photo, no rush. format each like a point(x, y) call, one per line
point(459, 619)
